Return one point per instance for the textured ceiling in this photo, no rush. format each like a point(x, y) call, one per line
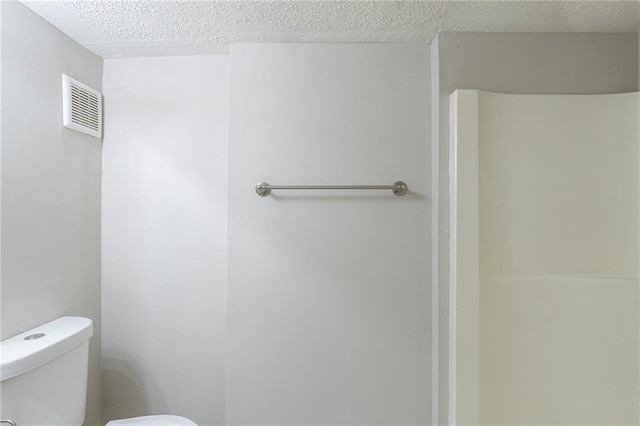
point(155, 28)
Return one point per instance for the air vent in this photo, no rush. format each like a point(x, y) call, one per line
point(81, 107)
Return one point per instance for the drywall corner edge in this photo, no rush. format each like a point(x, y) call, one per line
point(435, 259)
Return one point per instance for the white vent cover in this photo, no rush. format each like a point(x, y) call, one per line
point(81, 107)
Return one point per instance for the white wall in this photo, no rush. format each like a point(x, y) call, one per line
point(50, 186)
point(164, 237)
point(329, 292)
point(515, 63)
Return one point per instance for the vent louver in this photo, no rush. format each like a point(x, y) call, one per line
point(81, 107)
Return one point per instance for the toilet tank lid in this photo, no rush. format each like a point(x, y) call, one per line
point(31, 349)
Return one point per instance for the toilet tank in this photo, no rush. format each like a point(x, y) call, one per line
point(43, 374)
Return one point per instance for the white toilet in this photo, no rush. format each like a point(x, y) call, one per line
point(43, 378)
point(153, 420)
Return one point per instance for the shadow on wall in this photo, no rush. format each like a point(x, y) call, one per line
point(124, 386)
point(352, 197)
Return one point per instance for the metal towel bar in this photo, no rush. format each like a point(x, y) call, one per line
point(399, 188)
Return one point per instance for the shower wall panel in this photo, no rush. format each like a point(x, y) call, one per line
point(546, 323)
point(531, 63)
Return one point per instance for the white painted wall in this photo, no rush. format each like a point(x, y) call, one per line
point(50, 186)
point(164, 237)
point(515, 63)
point(329, 316)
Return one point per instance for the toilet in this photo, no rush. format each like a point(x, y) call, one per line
point(43, 378)
point(152, 420)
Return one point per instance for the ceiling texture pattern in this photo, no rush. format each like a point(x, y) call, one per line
point(130, 28)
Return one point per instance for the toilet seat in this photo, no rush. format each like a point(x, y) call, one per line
point(153, 420)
